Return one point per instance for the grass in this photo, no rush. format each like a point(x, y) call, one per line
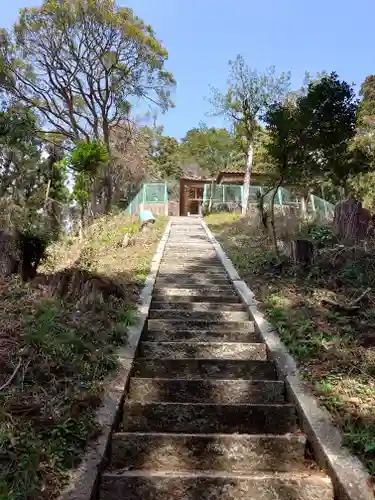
point(61, 350)
point(335, 348)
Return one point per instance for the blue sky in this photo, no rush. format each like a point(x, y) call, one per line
point(202, 35)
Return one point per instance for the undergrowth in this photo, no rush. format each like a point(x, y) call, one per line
point(57, 351)
point(334, 346)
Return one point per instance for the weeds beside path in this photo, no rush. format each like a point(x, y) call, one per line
point(57, 345)
point(335, 348)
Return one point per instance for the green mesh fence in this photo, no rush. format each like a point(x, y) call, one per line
point(229, 196)
point(149, 193)
point(222, 193)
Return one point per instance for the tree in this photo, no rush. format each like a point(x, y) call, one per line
point(245, 102)
point(214, 149)
point(131, 162)
point(366, 109)
point(311, 137)
point(327, 123)
point(363, 184)
point(163, 153)
point(86, 160)
point(19, 147)
point(81, 64)
point(283, 129)
point(32, 184)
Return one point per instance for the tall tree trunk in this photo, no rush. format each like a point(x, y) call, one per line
point(246, 184)
point(108, 169)
point(211, 196)
point(46, 198)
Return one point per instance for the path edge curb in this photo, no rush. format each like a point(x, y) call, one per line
point(349, 477)
point(85, 479)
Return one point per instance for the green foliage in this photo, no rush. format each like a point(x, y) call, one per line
point(363, 188)
point(86, 157)
point(310, 139)
point(248, 95)
point(85, 160)
point(82, 189)
point(282, 146)
point(17, 124)
point(163, 153)
point(319, 234)
point(213, 149)
point(68, 350)
point(366, 110)
point(80, 65)
point(86, 85)
point(327, 119)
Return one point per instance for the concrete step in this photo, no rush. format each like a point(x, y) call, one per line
point(171, 296)
point(214, 273)
point(204, 368)
point(196, 258)
point(185, 324)
point(203, 292)
point(196, 418)
point(195, 306)
point(203, 350)
point(199, 315)
point(199, 270)
point(219, 452)
point(171, 267)
point(198, 335)
point(193, 280)
point(143, 485)
point(189, 239)
point(198, 248)
point(206, 391)
point(203, 253)
point(191, 261)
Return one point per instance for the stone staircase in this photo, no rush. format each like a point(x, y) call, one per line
point(205, 416)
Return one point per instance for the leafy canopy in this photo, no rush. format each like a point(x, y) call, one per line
point(311, 138)
point(248, 95)
point(87, 156)
point(82, 64)
point(212, 148)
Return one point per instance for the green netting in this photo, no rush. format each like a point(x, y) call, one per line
point(222, 193)
point(322, 207)
point(155, 193)
point(149, 193)
point(225, 195)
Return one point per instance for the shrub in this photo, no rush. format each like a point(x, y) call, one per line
point(320, 235)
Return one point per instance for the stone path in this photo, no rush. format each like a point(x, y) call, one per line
point(205, 417)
